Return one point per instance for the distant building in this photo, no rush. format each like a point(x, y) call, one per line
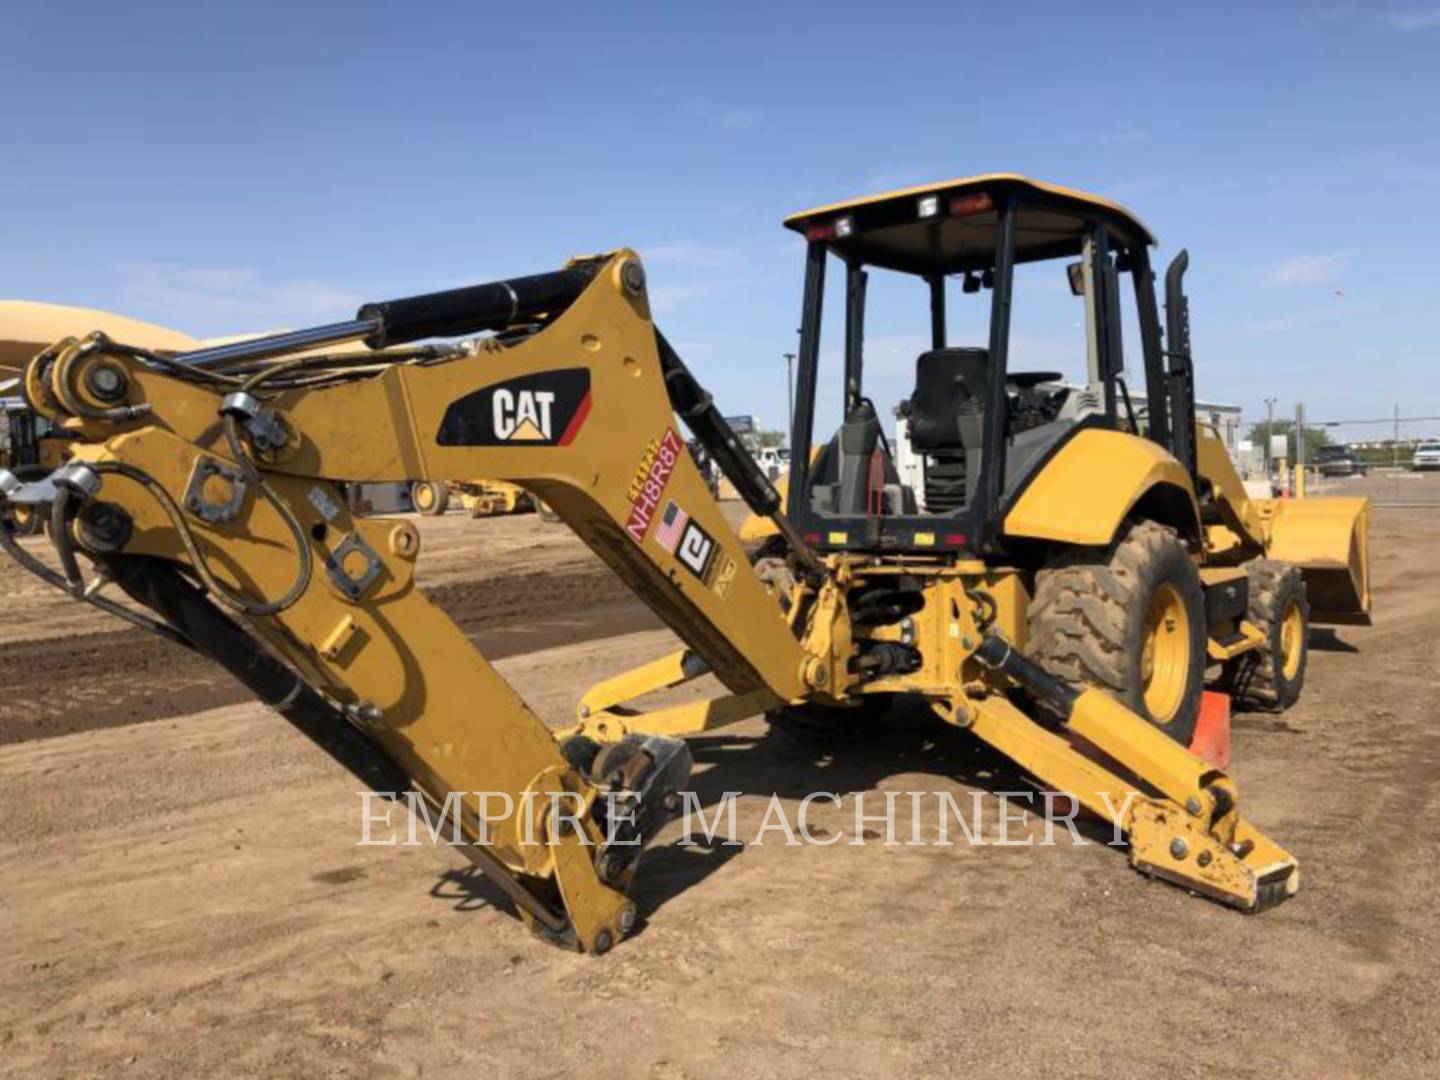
point(1225, 419)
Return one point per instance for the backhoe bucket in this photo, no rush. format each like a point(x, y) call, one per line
point(1329, 539)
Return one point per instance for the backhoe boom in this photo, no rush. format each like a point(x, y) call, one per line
point(575, 408)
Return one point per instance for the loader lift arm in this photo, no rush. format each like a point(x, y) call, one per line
point(207, 486)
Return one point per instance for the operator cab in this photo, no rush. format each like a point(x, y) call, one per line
point(971, 432)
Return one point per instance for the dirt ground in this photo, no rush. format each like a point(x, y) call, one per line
point(513, 584)
point(184, 896)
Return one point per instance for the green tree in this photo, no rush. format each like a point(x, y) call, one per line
point(765, 439)
point(1315, 437)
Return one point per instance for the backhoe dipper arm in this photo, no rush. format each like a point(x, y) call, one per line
point(213, 480)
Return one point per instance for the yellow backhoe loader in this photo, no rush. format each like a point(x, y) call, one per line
point(1057, 596)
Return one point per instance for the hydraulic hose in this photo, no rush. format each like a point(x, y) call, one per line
point(60, 380)
point(28, 562)
point(197, 558)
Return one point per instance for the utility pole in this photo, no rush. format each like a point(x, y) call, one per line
point(1395, 441)
point(1269, 431)
point(789, 393)
point(1299, 486)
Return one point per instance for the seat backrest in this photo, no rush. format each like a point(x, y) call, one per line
point(951, 388)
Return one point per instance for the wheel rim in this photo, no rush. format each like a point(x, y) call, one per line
point(424, 497)
point(1292, 640)
point(1165, 657)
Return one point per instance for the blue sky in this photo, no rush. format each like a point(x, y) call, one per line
point(225, 168)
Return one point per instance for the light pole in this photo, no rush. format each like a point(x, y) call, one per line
point(789, 393)
point(1269, 428)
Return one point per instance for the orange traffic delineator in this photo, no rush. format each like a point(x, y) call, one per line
point(1212, 731)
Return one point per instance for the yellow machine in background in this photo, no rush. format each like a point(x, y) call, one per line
point(479, 498)
point(1056, 589)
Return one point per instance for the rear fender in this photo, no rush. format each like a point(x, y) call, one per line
point(1093, 482)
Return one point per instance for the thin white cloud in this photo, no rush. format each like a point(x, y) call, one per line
point(729, 117)
point(1413, 19)
point(667, 299)
point(1132, 188)
point(699, 256)
point(892, 354)
point(890, 179)
point(1297, 320)
point(211, 300)
point(688, 347)
point(1307, 269)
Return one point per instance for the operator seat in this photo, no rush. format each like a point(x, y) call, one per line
point(842, 475)
point(947, 423)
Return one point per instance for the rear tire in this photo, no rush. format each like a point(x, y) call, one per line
point(429, 498)
point(1129, 620)
point(1271, 677)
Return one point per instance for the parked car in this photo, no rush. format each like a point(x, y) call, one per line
point(774, 460)
point(1427, 456)
point(1339, 461)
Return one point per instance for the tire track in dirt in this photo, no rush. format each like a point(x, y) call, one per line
point(52, 687)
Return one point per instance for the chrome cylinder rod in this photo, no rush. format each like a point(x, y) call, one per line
point(278, 344)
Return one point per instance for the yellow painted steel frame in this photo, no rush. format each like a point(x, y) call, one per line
point(438, 707)
point(364, 634)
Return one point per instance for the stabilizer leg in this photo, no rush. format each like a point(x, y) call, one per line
point(604, 716)
point(1180, 814)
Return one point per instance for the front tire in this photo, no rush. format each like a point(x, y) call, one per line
point(1129, 620)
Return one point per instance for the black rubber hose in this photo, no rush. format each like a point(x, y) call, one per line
point(60, 537)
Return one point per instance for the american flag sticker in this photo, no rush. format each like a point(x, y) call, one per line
point(672, 525)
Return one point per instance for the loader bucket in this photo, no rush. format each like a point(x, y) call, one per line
point(1329, 539)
